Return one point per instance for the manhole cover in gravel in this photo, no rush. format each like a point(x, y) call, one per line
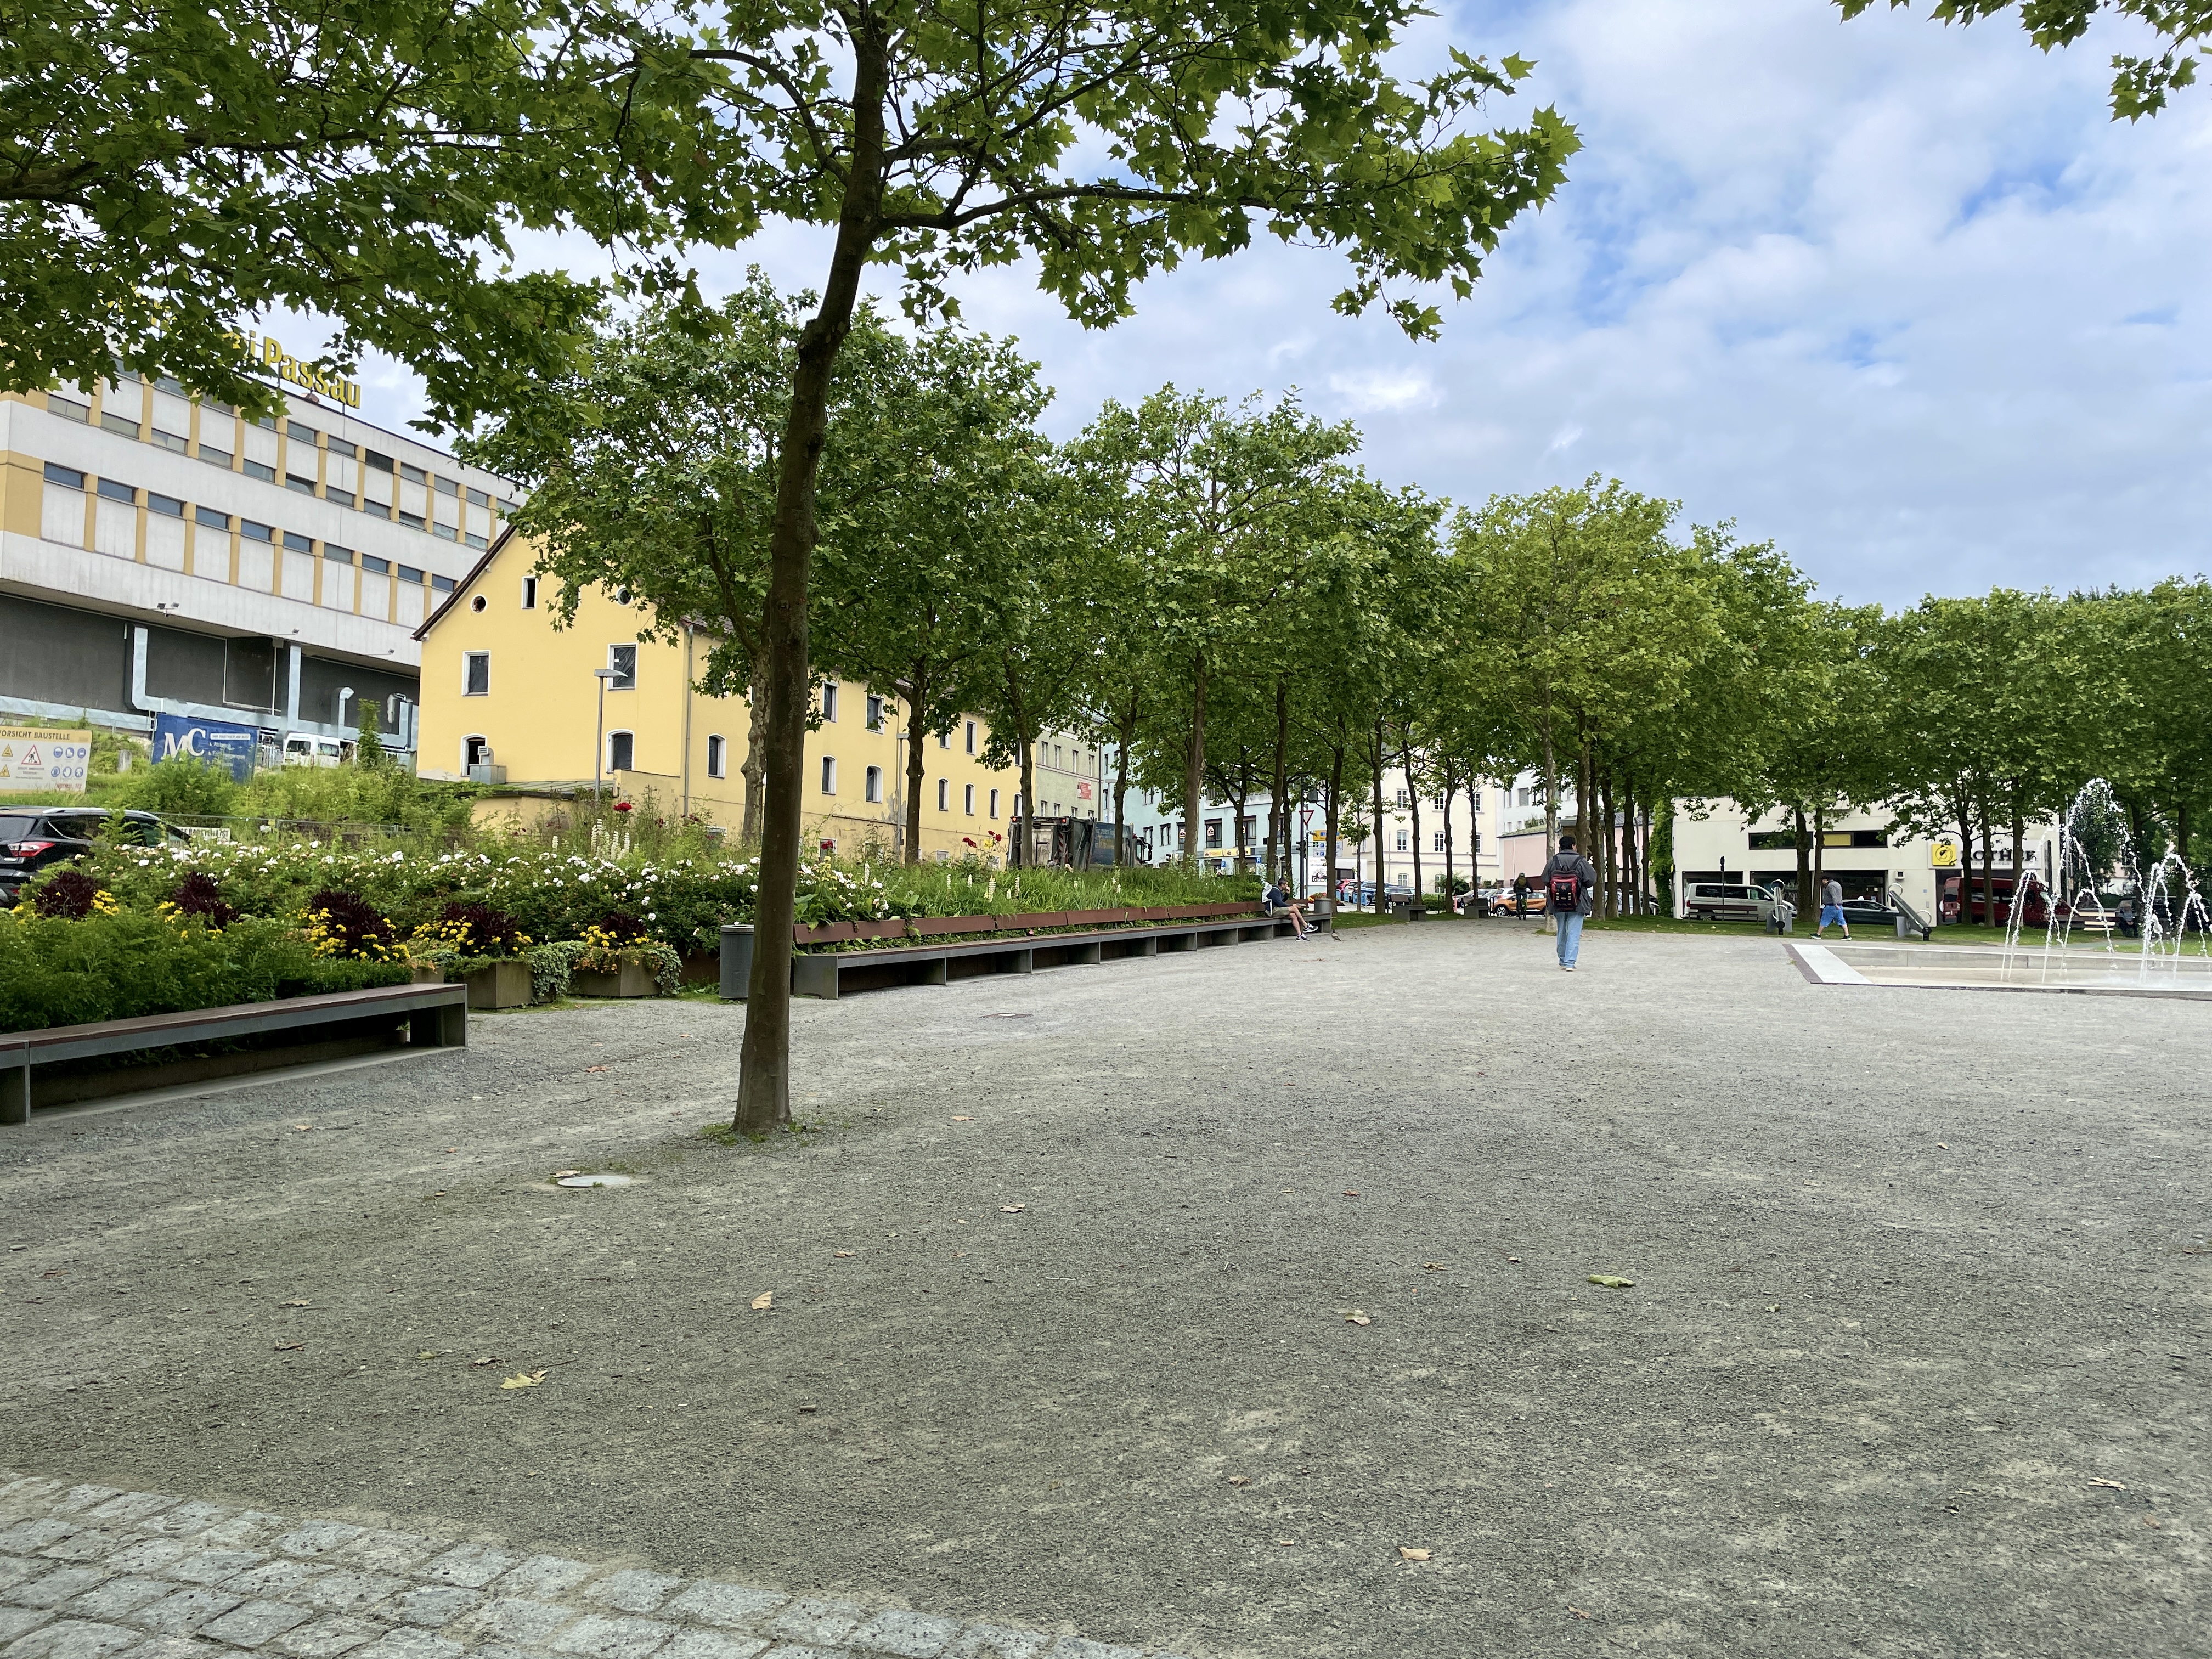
point(593, 1181)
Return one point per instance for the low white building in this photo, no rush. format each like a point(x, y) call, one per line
point(1716, 841)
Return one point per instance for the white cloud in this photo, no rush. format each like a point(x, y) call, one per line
point(1900, 297)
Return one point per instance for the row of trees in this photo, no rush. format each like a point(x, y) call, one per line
point(1223, 596)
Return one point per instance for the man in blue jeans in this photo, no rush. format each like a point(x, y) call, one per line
point(1570, 886)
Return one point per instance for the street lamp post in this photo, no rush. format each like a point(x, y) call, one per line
point(599, 743)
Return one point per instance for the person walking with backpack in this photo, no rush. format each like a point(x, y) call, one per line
point(1569, 889)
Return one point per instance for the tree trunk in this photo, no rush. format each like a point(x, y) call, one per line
point(1804, 865)
point(1609, 871)
point(764, 1061)
point(1447, 788)
point(1413, 805)
point(1335, 796)
point(1474, 834)
point(2019, 835)
point(1988, 868)
point(1551, 792)
point(1962, 803)
point(1124, 734)
point(916, 691)
point(754, 769)
point(1382, 865)
point(1279, 805)
point(1194, 764)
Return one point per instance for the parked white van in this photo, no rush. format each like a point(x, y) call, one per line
point(1713, 900)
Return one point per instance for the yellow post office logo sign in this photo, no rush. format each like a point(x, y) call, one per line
point(1943, 853)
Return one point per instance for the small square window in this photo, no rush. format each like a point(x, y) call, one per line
point(413, 474)
point(299, 435)
point(296, 543)
point(477, 498)
point(115, 491)
point(168, 506)
point(216, 458)
point(265, 473)
point(621, 752)
point(408, 573)
point(378, 461)
point(68, 477)
point(340, 447)
point(448, 487)
point(293, 481)
point(372, 567)
point(208, 519)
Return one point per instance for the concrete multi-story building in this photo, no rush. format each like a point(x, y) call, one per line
point(545, 714)
point(162, 556)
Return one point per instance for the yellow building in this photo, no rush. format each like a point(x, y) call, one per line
point(509, 699)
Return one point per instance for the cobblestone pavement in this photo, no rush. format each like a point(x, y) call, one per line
point(90, 1572)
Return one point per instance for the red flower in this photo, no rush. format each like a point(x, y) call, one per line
point(622, 806)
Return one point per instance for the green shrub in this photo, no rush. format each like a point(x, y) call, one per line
point(183, 785)
point(57, 972)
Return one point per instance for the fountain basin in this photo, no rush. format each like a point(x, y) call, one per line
point(2090, 971)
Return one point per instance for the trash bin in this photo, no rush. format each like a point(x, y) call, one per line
point(1904, 928)
point(737, 961)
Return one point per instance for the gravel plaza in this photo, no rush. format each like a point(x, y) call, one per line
point(1233, 1303)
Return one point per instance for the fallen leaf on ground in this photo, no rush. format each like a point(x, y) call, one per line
point(559, 1174)
point(440, 1194)
point(595, 1068)
point(1286, 1542)
point(524, 1380)
point(1512, 1258)
point(765, 1299)
point(1351, 1193)
point(1357, 1316)
point(489, 1359)
point(1412, 1554)
point(427, 1353)
point(1943, 1145)
point(1011, 1209)
point(303, 1128)
point(289, 1347)
point(1240, 1479)
point(1578, 1612)
point(810, 1408)
point(1432, 1267)
point(1774, 1306)
point(844, 1252)
point(2116, 1485)
point(1612, 1283)
point(296, 1304)
point(2150, 1520)
point(963, 1120)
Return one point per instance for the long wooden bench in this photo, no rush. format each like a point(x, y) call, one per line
point(37, 1066)
point(828, 974)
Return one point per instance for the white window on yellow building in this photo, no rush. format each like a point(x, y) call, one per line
point(830, 702)
point(874, 783)
point(967, 795)
point(717, 756)
point(623, 658)
point(622, 752)
point(945, 794)
point(995, 803)
point(530, 592)
point(875, 713)
point(828, 774)
point(476, 674)
point(971, 737)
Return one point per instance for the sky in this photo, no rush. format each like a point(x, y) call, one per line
point(1900, 298)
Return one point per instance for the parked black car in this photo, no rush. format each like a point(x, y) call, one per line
point(33, 837)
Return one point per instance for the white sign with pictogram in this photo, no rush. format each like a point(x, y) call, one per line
point(33, 758)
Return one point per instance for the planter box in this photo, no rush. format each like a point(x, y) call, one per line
point(636, 980)
point(502, 985)
point(427, 973)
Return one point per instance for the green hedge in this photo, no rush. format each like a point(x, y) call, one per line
point(72, 973)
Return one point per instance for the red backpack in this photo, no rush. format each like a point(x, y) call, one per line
point(1565, 891)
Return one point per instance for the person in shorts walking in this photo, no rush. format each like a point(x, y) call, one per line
point(1831, 908)
point(1569, 882)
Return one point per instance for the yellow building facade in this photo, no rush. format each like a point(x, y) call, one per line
point(510, 699)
